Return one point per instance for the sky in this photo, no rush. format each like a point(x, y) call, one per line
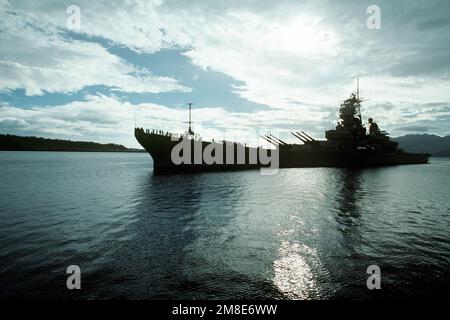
point(250, 67)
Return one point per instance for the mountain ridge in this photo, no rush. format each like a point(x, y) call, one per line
point(425, 143)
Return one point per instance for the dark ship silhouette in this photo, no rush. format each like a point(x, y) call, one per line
point(348, 145)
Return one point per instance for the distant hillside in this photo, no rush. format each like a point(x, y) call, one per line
point(425, 143)
point(18, 143)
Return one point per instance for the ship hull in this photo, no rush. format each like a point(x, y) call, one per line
point(356, 158)
point(160, 147)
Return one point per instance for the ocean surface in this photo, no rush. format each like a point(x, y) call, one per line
point(300, 234)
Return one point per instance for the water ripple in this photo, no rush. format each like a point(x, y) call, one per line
point(301, 234)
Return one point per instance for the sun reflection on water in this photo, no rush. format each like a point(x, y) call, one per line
point(293, 275)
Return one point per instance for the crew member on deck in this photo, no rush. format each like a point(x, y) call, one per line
point(373, 127)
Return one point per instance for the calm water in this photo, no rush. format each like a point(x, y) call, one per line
point(303, 233)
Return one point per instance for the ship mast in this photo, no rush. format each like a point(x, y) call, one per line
point(190, 122)
point(358, 101)
point(357, 87)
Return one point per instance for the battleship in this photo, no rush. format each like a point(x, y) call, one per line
point(350, 144)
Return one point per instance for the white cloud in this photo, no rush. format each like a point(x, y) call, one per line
point(36, 57)
point(282, 51)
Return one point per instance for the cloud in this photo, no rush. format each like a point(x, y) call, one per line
point(285, 50)
point(416, 128)
point(74, 119)
point(433, 24)
point(293, 50)
point(36, 56)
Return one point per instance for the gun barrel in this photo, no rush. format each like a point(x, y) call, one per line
point(270, 141)
point(301, 135)
point(277, 139)
point(298, 137)
point(265, 139)
point(312, 139)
